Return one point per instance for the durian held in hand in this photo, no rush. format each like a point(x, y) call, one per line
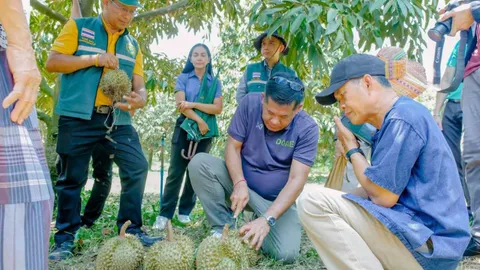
point(225, 253)
point(115, 84)
point(123, 252)
point(176, 253)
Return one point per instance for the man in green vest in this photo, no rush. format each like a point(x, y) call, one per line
point(84, 50)
point(256, 75)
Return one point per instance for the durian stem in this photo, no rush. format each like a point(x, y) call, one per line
point(169, 231)
point(225, 232)
point(124, 228)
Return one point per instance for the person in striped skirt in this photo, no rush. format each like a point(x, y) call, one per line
point(26, 197)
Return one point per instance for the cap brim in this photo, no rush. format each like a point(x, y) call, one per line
point(326, 97)
point(132, 5)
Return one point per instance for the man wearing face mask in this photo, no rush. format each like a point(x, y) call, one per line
point(271, 147)
point(256, 75)
point(84, 50)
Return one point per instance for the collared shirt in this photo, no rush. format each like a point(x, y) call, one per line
point(267, 156)
point(411, 158)
point(190, 84)
point(3, 38)
point(67, 43)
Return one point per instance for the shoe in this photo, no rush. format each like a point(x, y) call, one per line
point(185, 219)
point(146, 240)
point(216, 234)
point(62, 251)
point(160, 223)
point(473, 248)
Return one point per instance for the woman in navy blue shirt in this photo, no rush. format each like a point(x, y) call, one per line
point(197, 73)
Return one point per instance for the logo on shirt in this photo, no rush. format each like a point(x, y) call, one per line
point(259, 126)
point(88, 33)
point(289, 144)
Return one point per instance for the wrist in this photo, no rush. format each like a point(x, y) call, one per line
point(239, 182)
point(353, 151)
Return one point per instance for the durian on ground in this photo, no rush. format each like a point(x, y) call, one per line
point(123, 252)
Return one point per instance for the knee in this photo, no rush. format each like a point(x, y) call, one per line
point(197, 163)
point(313, 201)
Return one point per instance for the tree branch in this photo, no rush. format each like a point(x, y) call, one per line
point(45, 88)
point(42, 8)
point(47, 119)
point(162, 11)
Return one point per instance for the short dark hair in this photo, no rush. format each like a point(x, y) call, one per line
point(283, 93)
point(382, 80)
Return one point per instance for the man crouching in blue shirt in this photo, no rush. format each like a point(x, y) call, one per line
point(271, 146)
point(410, 212)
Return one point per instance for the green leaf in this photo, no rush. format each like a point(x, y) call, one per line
point(402, 7)
point(376, 5)
point(332, 27)
point(314, 13)
point(318, 32)
point(296, 24)
point(331, 14)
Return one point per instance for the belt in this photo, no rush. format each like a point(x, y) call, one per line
point(102, 109)
point(455, 100)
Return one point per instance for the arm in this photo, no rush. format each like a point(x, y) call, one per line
point(296, 181)
point(242, 88)
point(189, 113)
point(215, 108)
point(21, 60)
point(64, 63)
point(76, 12)
point(440, 98)
point(233, 159)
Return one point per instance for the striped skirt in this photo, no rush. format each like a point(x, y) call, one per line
point(26, 197)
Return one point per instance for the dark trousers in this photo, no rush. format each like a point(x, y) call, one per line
point(102, 175)
point(176, 172)
point(76, 140)
point(452, 124)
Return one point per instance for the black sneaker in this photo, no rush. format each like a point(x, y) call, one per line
point(473, 248)
point(62, 251)
point(147, 240)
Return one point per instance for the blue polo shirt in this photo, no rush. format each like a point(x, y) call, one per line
point(190, 84)
point(267, 156)
point(411, 158)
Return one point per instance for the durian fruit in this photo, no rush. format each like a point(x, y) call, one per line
point(115, 84)
point(123, 252)
point(227, 253)
point(176, 253)
point(249, 252)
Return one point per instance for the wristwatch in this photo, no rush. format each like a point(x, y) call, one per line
point(353, 151)
point(270, 220)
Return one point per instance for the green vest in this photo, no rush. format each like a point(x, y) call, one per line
point(257, 75)
point(79, 89)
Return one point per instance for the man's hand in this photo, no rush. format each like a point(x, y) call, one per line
point(255, 232)
point(239, 197)
point(134, 101)
point(339, 151)
point(27, 82)
point(438, 120)
point(108, 60)
point(461, 16)
point(345, 136)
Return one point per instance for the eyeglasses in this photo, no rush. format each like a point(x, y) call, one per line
point(130, 12)
point(294, 85)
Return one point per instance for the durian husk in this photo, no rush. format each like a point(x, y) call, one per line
point(123, 252)
point(175, 253)
point(115, 84)
point(218, 253)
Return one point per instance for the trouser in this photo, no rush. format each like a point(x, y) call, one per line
point(102, 175)
point(176, 173)
point(348, 237)
point(75, 143)
point(213, 185)
point(452, 124)
point(471, 144)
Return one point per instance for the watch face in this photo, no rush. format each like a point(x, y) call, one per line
point(271, 221)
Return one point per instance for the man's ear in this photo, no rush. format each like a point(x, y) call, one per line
point(299, 107)
point(369, 81)
point(263, 97)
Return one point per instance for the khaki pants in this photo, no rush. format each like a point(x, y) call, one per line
point(346, 236)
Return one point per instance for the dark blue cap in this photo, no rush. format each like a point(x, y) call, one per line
point(352, 67)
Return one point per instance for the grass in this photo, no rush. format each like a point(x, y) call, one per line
point(88, 241)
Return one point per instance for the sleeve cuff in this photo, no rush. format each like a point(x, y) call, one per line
point(372, 177)
point(236, 137)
